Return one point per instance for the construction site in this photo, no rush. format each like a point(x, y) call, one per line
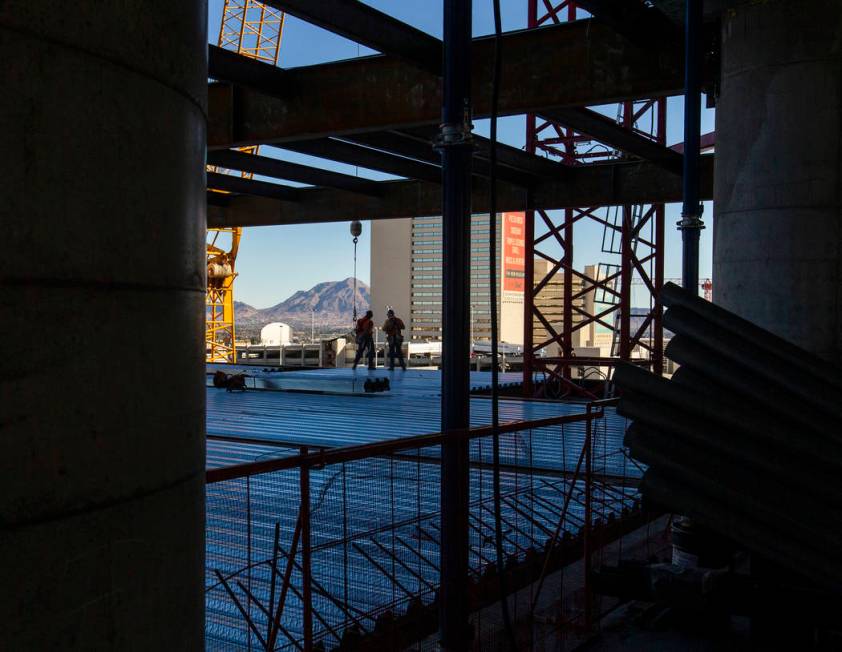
point(575, 454)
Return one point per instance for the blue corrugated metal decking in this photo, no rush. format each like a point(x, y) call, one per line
point(411, 407)
point(374, 521)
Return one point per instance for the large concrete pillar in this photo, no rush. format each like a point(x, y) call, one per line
point(778, 226)
point(102, 217)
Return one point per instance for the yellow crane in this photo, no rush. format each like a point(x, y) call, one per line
point(253, 30)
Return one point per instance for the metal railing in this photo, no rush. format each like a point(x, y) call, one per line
point(340, 547)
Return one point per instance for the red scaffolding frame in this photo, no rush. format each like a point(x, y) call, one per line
point(632, 234)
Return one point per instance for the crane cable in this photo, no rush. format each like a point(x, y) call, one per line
point(356, 239)
point(356, 231)
point(495, 372)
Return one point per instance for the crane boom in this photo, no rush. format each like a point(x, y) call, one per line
point(253, 30)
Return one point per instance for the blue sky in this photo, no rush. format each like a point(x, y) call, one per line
point(274, 262)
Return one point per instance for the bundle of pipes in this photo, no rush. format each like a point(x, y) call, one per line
point(746, 438)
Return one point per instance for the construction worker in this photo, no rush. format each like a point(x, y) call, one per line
point(364, 332)
point(393, 327)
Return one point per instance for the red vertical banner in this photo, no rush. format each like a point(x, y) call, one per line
point(514, 243)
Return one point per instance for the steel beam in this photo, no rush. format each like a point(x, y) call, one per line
point(225, 65)
point(646, 27)
point(525, 162)
point(572, 64)
point(691, 223)
point(219, 199)
point(271, 167)
point(607, 131)
point(231, 183)
point(506, 154)
point(420, 148)
point(399, 143)
point(370, 27)
point(353, 154)
point(593, 185)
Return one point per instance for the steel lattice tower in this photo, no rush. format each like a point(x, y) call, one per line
point(632, 235)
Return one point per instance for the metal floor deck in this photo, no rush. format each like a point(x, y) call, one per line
point(423, 381)
point(370, 554)
point(412, 407)
point(375, 525)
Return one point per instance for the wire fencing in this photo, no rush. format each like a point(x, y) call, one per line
point(339, 549)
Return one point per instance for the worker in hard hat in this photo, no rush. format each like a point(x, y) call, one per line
point(364, 332)
point(394, 327)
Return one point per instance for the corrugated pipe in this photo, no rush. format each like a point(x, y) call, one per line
point(767, 431)
point(672, 296)
point(704, 370)
point(811, 389)
point(798, 475)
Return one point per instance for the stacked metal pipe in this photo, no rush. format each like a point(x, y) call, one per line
point(746, 438)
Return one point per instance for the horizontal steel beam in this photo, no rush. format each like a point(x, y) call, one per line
point(237, 184)
point(225, 65)
point(592, 185)
point(271, 167)
point(370, 27)
point(518, 159)
point(644, 26)
point(218, 198)
point(411, 155)
point(514, 165)
point(607, 131)
point(573, 64)
point(399, 143)
point(353, 154)
point(420, 148)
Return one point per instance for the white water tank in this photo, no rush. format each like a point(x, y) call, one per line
point(275, 334)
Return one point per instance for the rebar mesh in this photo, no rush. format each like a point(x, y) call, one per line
point(372, 536)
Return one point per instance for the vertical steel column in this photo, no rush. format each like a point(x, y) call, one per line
point(657, 316)
point(567, 254)
point(567, 306)
point(691, 223)
point(626, 235)
point(660, 219)
point(528, 284)
point(626, 254)
point(529, 248)
point(456, 152)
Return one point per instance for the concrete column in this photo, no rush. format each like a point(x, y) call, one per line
point(779, 168)
point(101, 323)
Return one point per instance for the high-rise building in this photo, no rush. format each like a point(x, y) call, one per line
point(550, 302)
point(406, 275)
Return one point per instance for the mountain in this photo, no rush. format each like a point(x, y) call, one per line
point(333, 302)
